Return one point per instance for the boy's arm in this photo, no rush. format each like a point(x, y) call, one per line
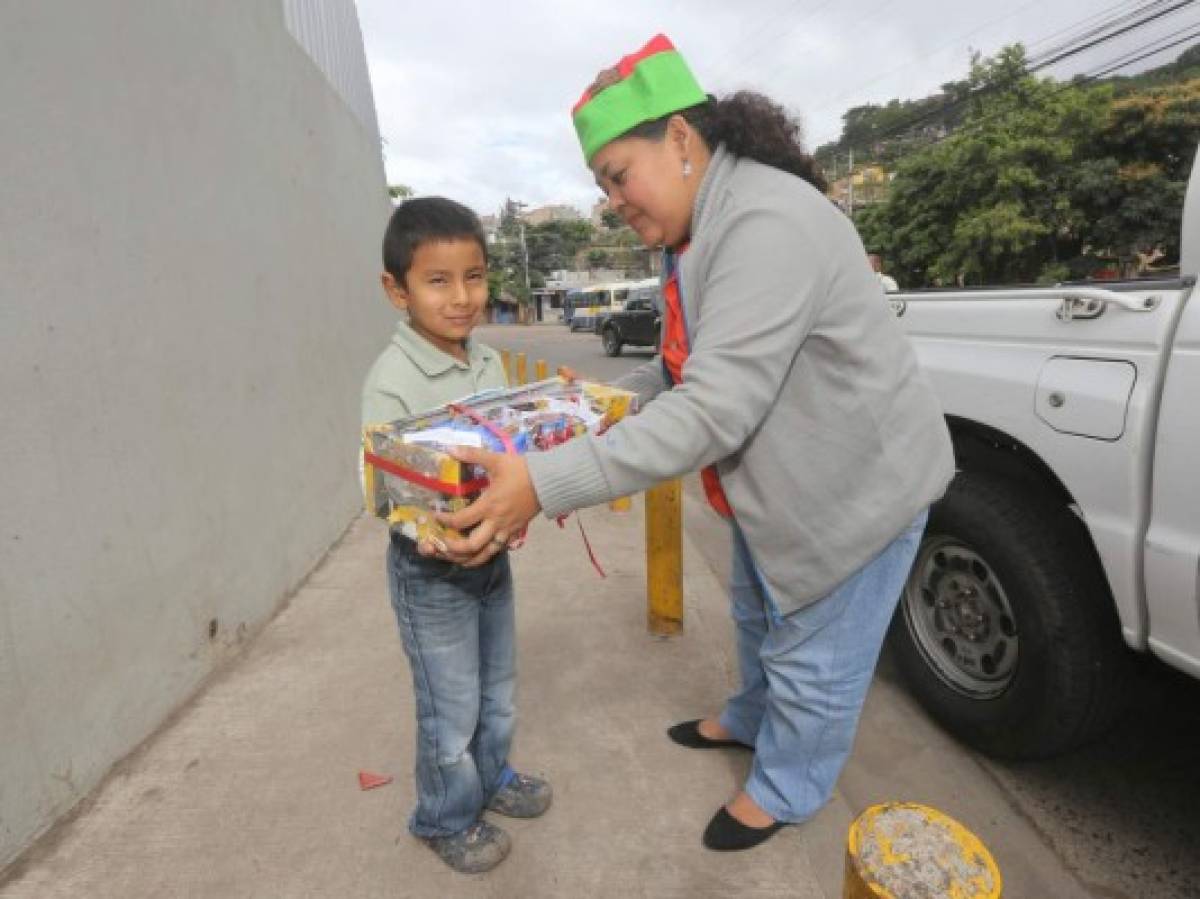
point(379, 406)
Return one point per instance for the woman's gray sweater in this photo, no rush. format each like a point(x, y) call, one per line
point(800, 386)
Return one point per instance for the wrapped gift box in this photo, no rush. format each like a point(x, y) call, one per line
point(408, 472)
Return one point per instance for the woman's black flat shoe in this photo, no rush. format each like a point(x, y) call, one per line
point(687, 733)
point(726, 833)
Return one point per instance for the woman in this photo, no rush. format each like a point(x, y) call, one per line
point(785, 377)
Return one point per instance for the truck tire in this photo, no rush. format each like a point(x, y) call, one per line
point(1006, 631)
point(611, 340)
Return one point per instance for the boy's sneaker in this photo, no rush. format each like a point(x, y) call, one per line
point(479, 848)
point(522, 797)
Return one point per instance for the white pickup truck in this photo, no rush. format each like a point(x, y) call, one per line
point(1072, 530)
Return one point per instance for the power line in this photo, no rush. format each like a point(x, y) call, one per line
point(1124, 63)
point(1120, 62)
point(1059, 56)
point(796, 24)
point(1092, 25)
point(1084, 22)
point(1068, 52)
point(871, 12)
point(729, 56)
point(748, 49)
point(1073, 27)
point(934, 52)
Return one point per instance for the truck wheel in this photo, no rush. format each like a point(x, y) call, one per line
point(612, 343)
point(1006, 631)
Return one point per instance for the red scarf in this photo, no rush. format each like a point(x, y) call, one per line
point(675, 351)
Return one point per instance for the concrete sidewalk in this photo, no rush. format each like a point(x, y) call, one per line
point(251, 790)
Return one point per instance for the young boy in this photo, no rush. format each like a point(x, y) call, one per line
point(456, 623)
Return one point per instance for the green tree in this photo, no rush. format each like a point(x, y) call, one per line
point(990, 203)
point(597, 258)
point(1129, 197)
point(1039, 180)
point(510, 218)
point(553, 245)
point(610, 219)
point(399, 191)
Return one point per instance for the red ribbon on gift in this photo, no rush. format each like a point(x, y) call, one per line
point(506, 441)
point(476, 484)
point(422, 480)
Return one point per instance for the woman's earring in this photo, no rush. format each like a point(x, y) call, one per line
point(687, 168)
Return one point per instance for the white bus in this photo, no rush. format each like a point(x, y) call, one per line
point(589, 304)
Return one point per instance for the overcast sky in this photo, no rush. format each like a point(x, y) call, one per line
point(474, 98)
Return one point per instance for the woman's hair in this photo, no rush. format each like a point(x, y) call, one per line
point(748, 124)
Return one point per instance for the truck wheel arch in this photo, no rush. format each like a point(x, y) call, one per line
point(981, 448)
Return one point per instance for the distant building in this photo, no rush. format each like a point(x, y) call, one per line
point(491, 226)
point(557, 213)
point(597, 217)
point(870, 185)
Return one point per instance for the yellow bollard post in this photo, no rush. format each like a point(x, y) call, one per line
point(541, 370)
point(903, 851)
point(522, 372)
point(506, 360)
point(664, 558)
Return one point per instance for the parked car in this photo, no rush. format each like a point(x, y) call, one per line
point(638, 324)
point(1071, 532)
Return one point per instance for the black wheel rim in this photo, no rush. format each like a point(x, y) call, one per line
point(960, 618)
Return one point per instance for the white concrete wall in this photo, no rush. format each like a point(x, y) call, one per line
point(190, 218)
point(328, 30)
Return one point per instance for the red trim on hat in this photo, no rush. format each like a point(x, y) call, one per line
point(660, 43)
point(587, 95)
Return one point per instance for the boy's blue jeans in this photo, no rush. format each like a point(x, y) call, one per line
point(804, 676)
point(458, 629)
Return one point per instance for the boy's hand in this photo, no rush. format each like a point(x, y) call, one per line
point(567, 373)
point(502, 511)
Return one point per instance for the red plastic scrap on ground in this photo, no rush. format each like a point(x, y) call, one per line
point(369, 781)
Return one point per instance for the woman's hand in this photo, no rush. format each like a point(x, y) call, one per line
point(500, 514)
point(569, 375)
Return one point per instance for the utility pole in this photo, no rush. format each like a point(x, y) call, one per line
point(520, 207)
point(525, 253)
point(527, 306)
point(850, 189)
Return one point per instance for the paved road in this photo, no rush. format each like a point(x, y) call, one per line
point(1119, 814)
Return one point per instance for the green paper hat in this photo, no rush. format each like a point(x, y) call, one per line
point(653, 82)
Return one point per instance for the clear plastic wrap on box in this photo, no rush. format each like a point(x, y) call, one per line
point(408, 472)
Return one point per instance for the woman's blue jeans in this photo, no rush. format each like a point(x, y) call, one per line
point(804, 676)
point(458, 629)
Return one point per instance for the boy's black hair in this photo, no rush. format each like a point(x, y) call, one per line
point(424, 219)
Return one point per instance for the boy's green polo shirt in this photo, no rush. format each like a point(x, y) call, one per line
point(412, 375)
